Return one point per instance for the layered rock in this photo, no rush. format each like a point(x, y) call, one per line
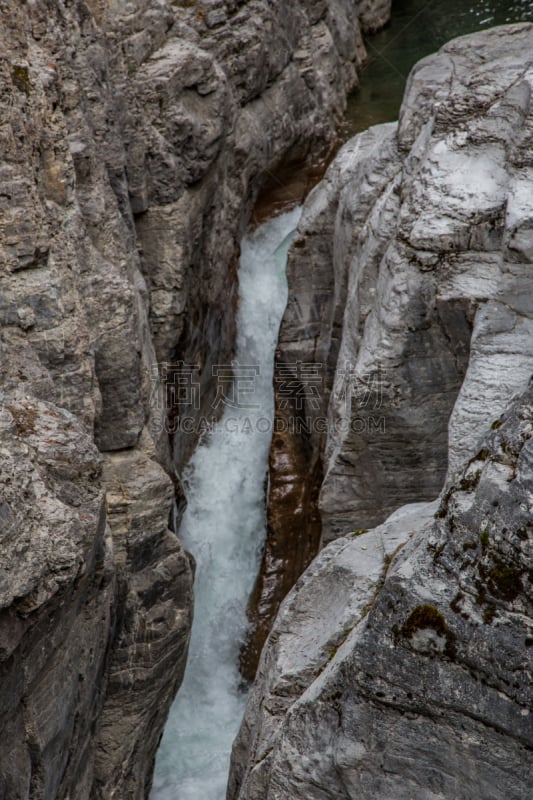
point(409, 295)
point(135, 139)
point(305, 367)
point(410, 287)
point(418, 685)
point(326, 604)
point(57, 589)
point(75, 332)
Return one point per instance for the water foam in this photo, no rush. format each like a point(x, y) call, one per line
point(224, 528)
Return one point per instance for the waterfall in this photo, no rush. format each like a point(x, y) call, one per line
point(224, 528)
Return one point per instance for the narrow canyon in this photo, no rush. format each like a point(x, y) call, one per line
point(266, 348)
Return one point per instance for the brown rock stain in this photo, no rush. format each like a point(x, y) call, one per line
point(293, 532)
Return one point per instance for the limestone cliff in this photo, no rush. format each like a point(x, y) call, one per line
point(135, 138)
point(409, 293)
point(411, 289)
point(408, 676)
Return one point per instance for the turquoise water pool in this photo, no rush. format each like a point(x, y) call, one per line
point(418, 28)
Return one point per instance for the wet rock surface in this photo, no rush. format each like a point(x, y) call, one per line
point(410, 280)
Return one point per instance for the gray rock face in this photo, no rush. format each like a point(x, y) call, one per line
point(56, 596)
point(155, 610)
point(410, 288)
point(135, 139)
point(326, 604)
point(408, 283)
point(429, 696)
point(437, 285)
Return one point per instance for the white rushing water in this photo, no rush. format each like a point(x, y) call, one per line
point(224, 527)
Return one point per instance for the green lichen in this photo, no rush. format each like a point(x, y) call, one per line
point(443, 508)
point(345, 633)
point(428, 616)
point(484, 539)
point(469, 545)
point(333, 653)
point(21, 78)
point(359, 532)
point(496, 424)
point(505, 582)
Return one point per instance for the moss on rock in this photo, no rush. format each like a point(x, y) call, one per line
point(21, 78)
point(428, 616)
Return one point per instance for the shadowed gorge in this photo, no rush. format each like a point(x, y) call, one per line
point(398, 639)
point(306, 551)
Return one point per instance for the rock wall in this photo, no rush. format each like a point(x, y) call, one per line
point(417, 682)
point(411, 290)
point(135, 138)
point(409, 295)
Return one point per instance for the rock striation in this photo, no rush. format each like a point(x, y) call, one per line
point(410, 289)
point(135, 139)
point(417, 682)
point(409, 295)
